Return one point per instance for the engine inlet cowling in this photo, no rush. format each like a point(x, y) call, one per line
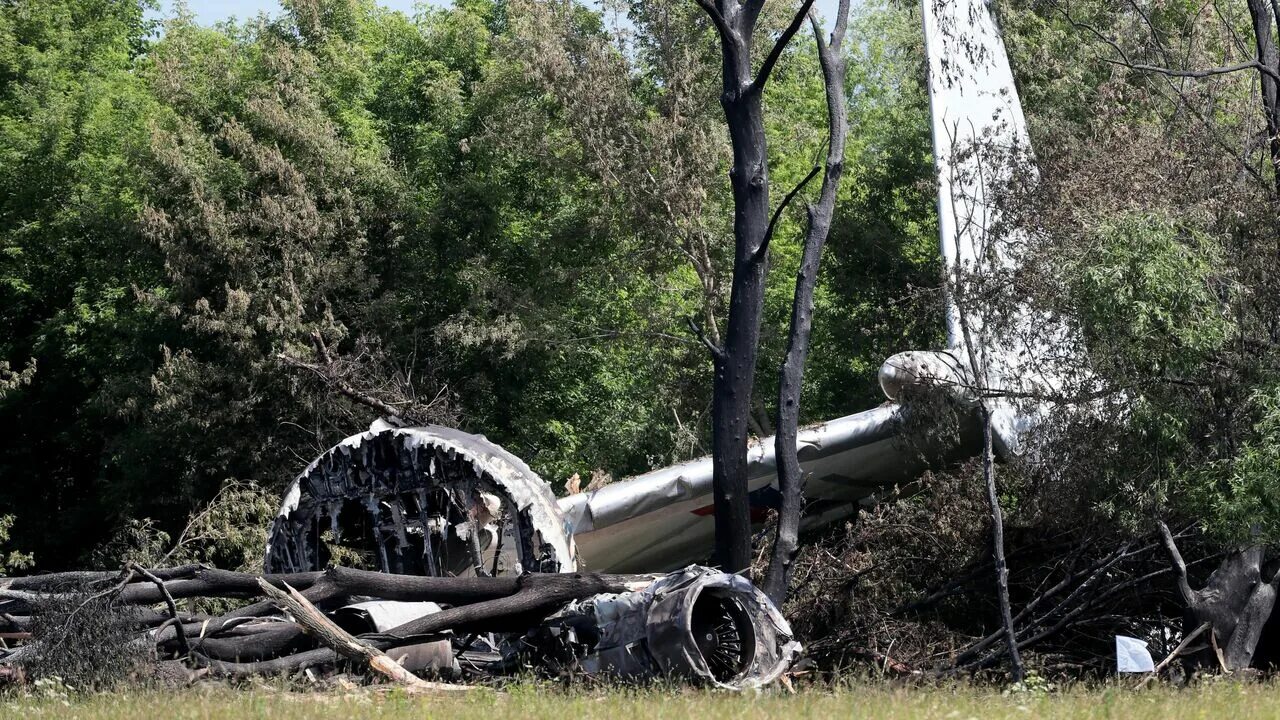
point(698, 624)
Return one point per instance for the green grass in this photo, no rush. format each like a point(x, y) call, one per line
point(1218, 701)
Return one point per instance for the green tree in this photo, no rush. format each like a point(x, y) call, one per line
point(73, 114)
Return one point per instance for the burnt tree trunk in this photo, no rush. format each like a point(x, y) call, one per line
point(735, 364)
point(791, 374)
point(997, 548)
point(960, 292)
point(1235, 601)
point(1260, 13)
point(735, 361)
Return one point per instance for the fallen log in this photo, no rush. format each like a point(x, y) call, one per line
point(50, 582)
point(541, 593)
point(330, 584)
point(15, 623)
point(297, 662)
point(534, 597)
point(252, 644)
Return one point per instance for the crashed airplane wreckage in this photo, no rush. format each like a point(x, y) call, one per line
point(478, 580)
point(484, 571)
point(431, 500)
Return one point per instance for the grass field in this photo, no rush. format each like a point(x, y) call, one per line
point(1224, 701)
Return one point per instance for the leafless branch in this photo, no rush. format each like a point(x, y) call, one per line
point(782, 206)
point(1201, 73)
point(715, 350)
point(766, 68)
point(1179, 565)
point(168, 601)
point(1176, 652)
point(327, 373)
point(726, 32)
point(837, 32)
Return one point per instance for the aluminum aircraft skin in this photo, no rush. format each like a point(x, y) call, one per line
point(437, 501)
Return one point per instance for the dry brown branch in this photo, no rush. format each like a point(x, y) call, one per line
point(326, 372)
point(1176, 652)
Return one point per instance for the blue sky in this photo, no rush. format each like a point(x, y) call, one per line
point(212, 11)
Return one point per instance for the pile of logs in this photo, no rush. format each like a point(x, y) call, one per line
point(288, 623)
point(257, 639)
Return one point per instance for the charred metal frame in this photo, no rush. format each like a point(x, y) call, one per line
point(422, 501)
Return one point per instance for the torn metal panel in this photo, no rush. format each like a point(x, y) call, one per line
point(376, 616)
point(834, 441)
point(380, 615)
point(698, 624)
point(424, 500)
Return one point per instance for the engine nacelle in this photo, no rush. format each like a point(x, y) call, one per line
point(697, 624)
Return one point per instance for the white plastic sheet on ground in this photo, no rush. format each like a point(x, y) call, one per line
point(1132, 656)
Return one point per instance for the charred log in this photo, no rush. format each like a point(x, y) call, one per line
point(343, 643)
point(1236, 602)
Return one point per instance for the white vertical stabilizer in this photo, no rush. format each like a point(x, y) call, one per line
point(980, 142)
point(973, 106)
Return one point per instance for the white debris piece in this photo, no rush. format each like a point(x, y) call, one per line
point(1132, 656)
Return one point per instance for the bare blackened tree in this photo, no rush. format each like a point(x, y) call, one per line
point(734, 359)
point(791, 375)
point(1264, 23)
point(995, 326)
point(993, 493)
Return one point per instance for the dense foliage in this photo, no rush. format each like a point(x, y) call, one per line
point(1153, 230)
